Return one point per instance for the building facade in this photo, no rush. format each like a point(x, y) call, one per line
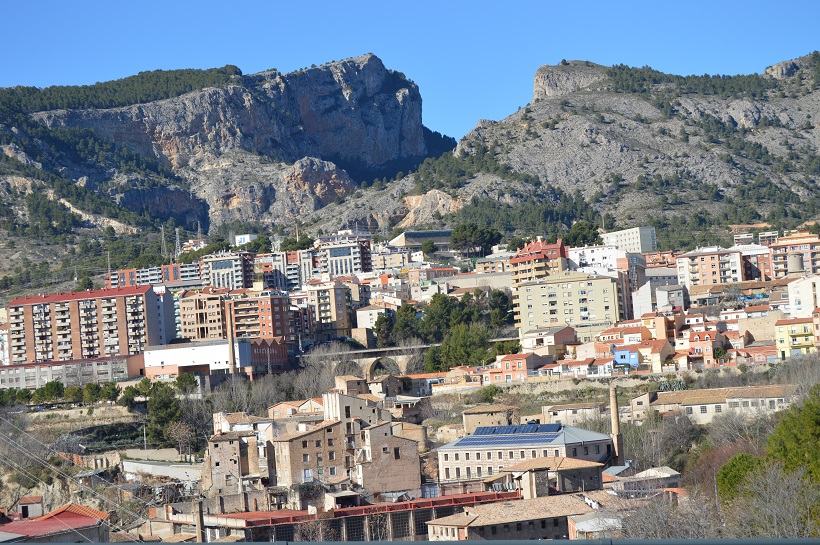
point(83, 325)
point(638, 239)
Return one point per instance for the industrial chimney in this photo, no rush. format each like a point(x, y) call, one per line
point(231, 338)
point(617, 438)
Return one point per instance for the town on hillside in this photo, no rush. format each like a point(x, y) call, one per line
point(436, 386)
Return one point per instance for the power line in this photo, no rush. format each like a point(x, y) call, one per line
point(19, 469)
point(67, 477)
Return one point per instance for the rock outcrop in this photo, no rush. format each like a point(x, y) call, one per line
point(562, 79)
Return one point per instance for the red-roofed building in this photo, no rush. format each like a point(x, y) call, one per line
point(71, 523)
point(83, 325)
point(538, 259)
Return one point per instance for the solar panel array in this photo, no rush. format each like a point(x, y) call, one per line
point(512, 430)
point(481, 441)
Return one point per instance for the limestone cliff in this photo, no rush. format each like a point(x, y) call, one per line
point(355, 112)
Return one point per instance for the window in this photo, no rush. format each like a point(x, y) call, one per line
point(458, 473)
point(466, 455)
point(384, 451)
point(318, 444)
point(305, 458)
point(703, 409)
point(330, 442)
point(489, 455)
point(469, 472)
point(331, 455)
point(522, 454)
point(446, 457)
point(500, 455)
point(304, 444)
point(478, 471)
point(586, 451)
point(396, 454)
point(446, 472)
point(456, 456)
point(688, 410)
point(574, 451)
point(489, 470)
point(512, 455)
point(333, 469)
point(478, 456)
point(718, 409)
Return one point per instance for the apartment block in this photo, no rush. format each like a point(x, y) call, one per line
point(206, 315)
point(795, 337)
point(573, 299)
point(259, 313)
point(538, 260)
point(610, 258)
point(803, 243)
point(757, 261)
point(344, 254)
point(232, 270)
point(333, 308)
point(710, 265)
point(202, 315)
point(637, 240)
point(165, 274)
point(82, 325)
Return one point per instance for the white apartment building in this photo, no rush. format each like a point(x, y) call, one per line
point(638, 239)
point(233, 270)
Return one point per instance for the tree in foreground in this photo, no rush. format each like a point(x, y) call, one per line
point(795, 440)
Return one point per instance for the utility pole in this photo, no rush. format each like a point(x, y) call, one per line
point(144, 438)
point(109, 265)
point(164, 249)
point(177, 246)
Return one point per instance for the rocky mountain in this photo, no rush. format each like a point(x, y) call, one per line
point(616, 144)
point(636, 145)
point(267, 147)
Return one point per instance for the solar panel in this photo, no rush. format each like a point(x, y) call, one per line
point(549, 428)
point(475, 441)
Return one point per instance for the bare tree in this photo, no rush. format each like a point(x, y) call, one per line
point(320, 366)
point(198, 415)
point(775, 503)
point(232, 396)
point(181, 432)
point(668, 517)
point(317, 530)
point(411, 348)
point(749, 431)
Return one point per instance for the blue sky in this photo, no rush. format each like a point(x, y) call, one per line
point(472, 60)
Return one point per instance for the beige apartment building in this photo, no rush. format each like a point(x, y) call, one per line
point(253, 314)
point(82, 325)
point(202, 315)
point(573, 299)
point(711, 265)
point(333, 308)
point(804, 243)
